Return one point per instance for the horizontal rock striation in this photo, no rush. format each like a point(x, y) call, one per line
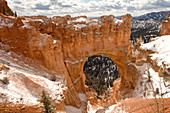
point(63, 44)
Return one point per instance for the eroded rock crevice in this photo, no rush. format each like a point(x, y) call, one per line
point(62, 44)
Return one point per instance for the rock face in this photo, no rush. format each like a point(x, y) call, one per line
point(63, 44)
point(165, 29)
point(5, 9)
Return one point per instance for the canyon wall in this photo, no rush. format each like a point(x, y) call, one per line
point(63, 44)
point(165, 29)
point(5, 9)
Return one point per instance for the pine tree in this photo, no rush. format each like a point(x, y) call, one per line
point(15, 14)
point(8, 12)
point(4, 10)
point(48, 107)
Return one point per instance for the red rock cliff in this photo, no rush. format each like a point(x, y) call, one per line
point(63, 44)
point(165, 29)
point(5, 9)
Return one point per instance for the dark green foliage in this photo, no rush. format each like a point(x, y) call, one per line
point(48, 107)
point(5, 80)
point(8, 12)
point(157, 91)
point(4, 10)
point(100, 72)
point(15, 14)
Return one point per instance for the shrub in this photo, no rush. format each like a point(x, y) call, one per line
point(4, 10)
point(5, 80)
point(48, 106)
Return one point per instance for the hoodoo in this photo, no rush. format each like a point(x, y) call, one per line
point(5, 9)
point(165, 29)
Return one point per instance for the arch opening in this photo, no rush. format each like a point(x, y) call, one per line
point(100, 72)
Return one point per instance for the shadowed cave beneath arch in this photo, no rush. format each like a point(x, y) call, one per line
point(100, 72)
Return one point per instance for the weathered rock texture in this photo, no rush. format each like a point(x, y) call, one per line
point(19, 87)
point(63, 45)
point(138, 105)
point(165, 29)
point(5, 9)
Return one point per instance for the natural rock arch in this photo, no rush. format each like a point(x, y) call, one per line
point(119, 57)
point(64, 49)
point(119, 60)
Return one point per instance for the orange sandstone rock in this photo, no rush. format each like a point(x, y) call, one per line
point(63, 44)
point(4, 6)
point(165, 29)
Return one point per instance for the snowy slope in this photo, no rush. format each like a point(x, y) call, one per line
point(27, 87)
point(5, 22)
point(161, 47)
point(27, 80)
point(145, 88)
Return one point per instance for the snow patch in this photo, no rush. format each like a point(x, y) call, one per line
point(135, 53)
point(5, 22)
point(145, 86)
point(38, 20)
point(19, 91)
point(81, 20)
point(161, 47)
point(166, 20)
point(115, 109)
point(71, 62)
point(79, 26)
point(93, 109)
point(26, 23)
point(55, 41)
point(117, 21)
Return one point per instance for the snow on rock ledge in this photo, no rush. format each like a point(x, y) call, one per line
point(27, 87)
point(161, 47)
point(6, 22)
point(151, 70)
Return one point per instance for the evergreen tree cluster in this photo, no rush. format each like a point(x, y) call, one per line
point(100, 72)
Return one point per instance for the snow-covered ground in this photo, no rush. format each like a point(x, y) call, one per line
point(150, 81)
point(27, 80)
point(147, 86)
point(26, 88)
point(5, 22)
point(161, 47)
point(116, 108)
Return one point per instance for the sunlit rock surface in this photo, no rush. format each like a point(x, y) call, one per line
point(63, 44)
point(165, 29)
